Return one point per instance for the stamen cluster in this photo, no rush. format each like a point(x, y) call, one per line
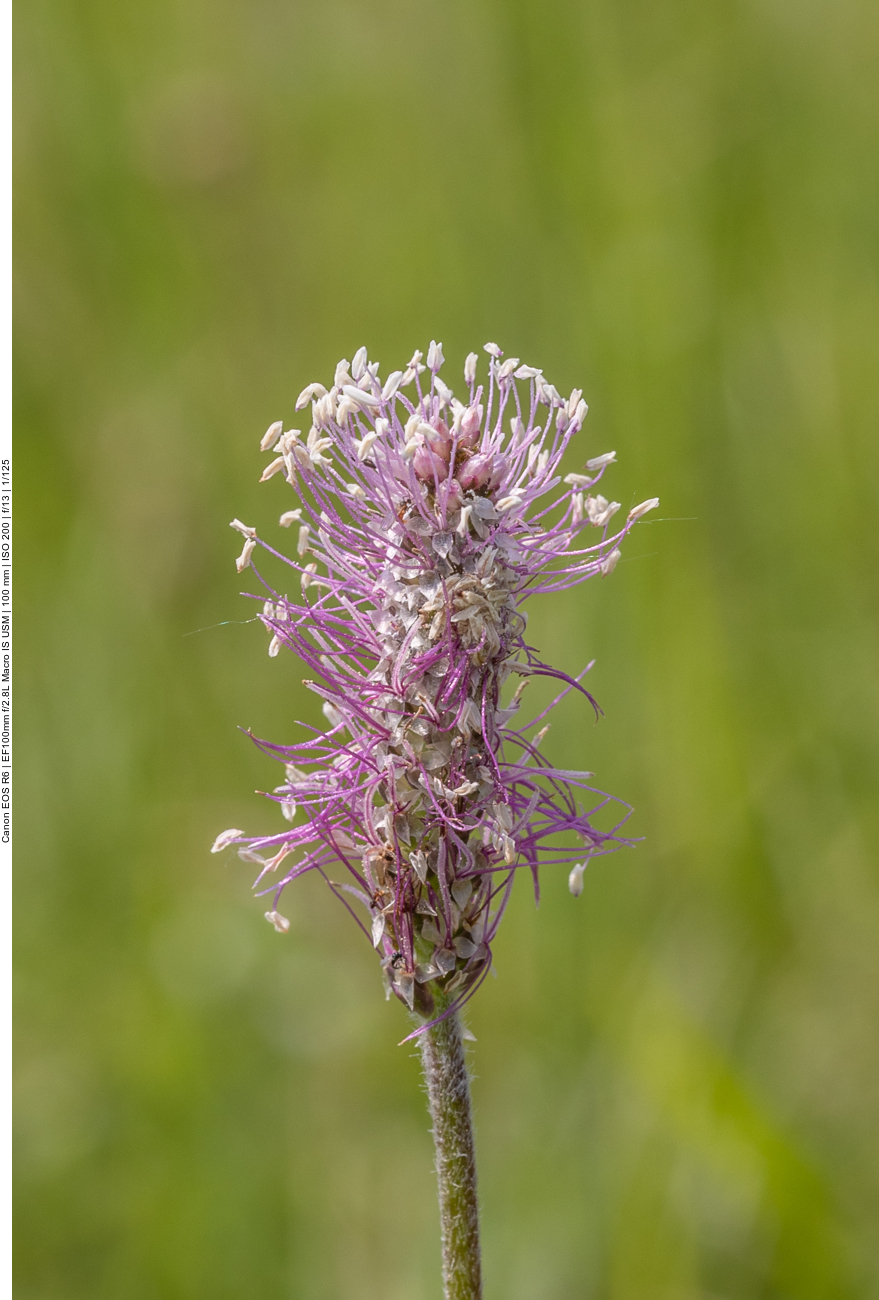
point(424, 522)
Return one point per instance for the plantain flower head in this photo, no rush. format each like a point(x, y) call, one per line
point(423, 521)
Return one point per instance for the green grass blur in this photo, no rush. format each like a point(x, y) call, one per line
point(671, 205)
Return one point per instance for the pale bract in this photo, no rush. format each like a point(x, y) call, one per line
point(425, 518)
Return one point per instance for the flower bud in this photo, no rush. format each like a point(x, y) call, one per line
point(477, 472)
point(438, 439)
point(428, 465)
point(471, 427)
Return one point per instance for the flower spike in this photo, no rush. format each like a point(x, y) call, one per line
point(426, 519)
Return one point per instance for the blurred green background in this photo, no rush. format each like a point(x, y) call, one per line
point(672, 205)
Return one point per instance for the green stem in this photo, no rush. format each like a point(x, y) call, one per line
point(448, 1090)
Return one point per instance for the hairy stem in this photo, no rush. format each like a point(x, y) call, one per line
point(448, 1090)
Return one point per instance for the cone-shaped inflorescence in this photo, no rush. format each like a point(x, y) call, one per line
point(423, 523)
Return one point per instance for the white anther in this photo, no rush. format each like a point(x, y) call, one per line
point(493, 350)
point(600, 510)
point(355, 490)
point(224, 839)
point(315, 444)
point(302, 542)
point(575, 879)
point(275, 862)
point(599, 462)
point(364, 446)
point(358, 396)
point(443, 392)
point(581, 412)
point(571, 404)
point(547, 393)
point(459, 410)
point(307, 575)
point(505, 371)
point(415, 361)
point(578, 480)
point(346, 407)
point(607, 566)
point(271, 435)
point(281, 924)
point(242, 528)
point(528, 372)
point(392, 383)
point(244, 558)
point(577, 508)
point(274, 647)
point(378, 929)
point(470, 368)
point(510, 502)
point(323, 410)
point(639, 511)
point(341, 376)
point(272, 468)
point(464, 521)
point(435, 356)
point(503, 815)
point(468, 787)
point(308, 394)
point(358, 365)
point(409, 450)
point(290, 517)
